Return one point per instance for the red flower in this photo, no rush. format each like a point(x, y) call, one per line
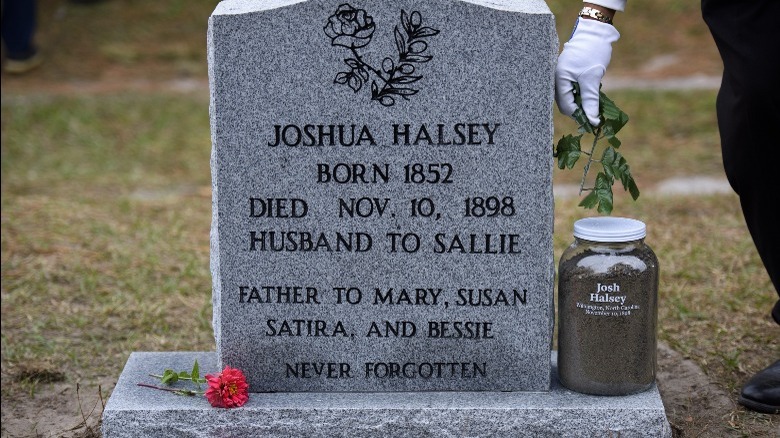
point(227, 389)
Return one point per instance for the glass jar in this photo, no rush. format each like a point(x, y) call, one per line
point(607, 308)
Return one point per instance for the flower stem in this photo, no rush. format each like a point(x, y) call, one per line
point(596, 134)
point(187, 392)
point(157, 387)
point(156, 376)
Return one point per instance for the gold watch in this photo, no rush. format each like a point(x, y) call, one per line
point(595, 14)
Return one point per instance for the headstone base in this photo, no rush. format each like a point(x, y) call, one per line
point(134, 411)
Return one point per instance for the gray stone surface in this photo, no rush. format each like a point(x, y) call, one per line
point(272, 63)
point(134, 411)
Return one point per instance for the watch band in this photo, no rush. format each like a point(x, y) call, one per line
point(595, 14)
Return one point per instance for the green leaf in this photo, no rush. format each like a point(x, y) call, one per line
point(602, 193)
point(614, 126)
point(608, 162)
point(582, 121)
point(632, 188)
point(616, 167)
point(195, 375)
point(579, 114)
point(615, 162)
point(608, 109)
point(184, 375)
point(605, 205)
point(628, 182)
point(568, 151)
point(590, 201)
point(169, 377)
point(614, 118)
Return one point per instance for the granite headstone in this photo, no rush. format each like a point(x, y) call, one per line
point(382, 193)
point(133, 411)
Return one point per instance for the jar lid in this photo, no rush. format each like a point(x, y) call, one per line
point(609, 229)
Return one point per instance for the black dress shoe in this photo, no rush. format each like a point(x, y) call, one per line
point(762, 392)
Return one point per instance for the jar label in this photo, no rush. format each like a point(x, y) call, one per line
point(606, 300)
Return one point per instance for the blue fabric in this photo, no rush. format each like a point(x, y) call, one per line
point(18, 27)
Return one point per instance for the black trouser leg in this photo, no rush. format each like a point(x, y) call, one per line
point(748, 107)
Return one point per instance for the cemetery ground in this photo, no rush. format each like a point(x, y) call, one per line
point(106, 209)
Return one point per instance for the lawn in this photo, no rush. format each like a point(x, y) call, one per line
point(106, 204)
point(106, 211)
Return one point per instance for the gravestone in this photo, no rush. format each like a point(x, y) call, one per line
point(382, 194)
point(133, 411)
point(382, 230)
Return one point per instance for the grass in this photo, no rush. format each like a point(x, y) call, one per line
point(167, 39)
point(106, 213)
point(106, 198)
point(105, 222)
point(115, 144)
point(657, 139)
point(154, 39)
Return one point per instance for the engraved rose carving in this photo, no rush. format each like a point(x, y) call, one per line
point(349, 27)
point(394, 78)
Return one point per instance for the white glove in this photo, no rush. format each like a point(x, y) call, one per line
point(584, 60)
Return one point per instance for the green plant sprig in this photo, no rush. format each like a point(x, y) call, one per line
point(170, 376)
point(613, 165)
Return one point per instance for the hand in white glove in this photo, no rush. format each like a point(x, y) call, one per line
point(584, 60)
